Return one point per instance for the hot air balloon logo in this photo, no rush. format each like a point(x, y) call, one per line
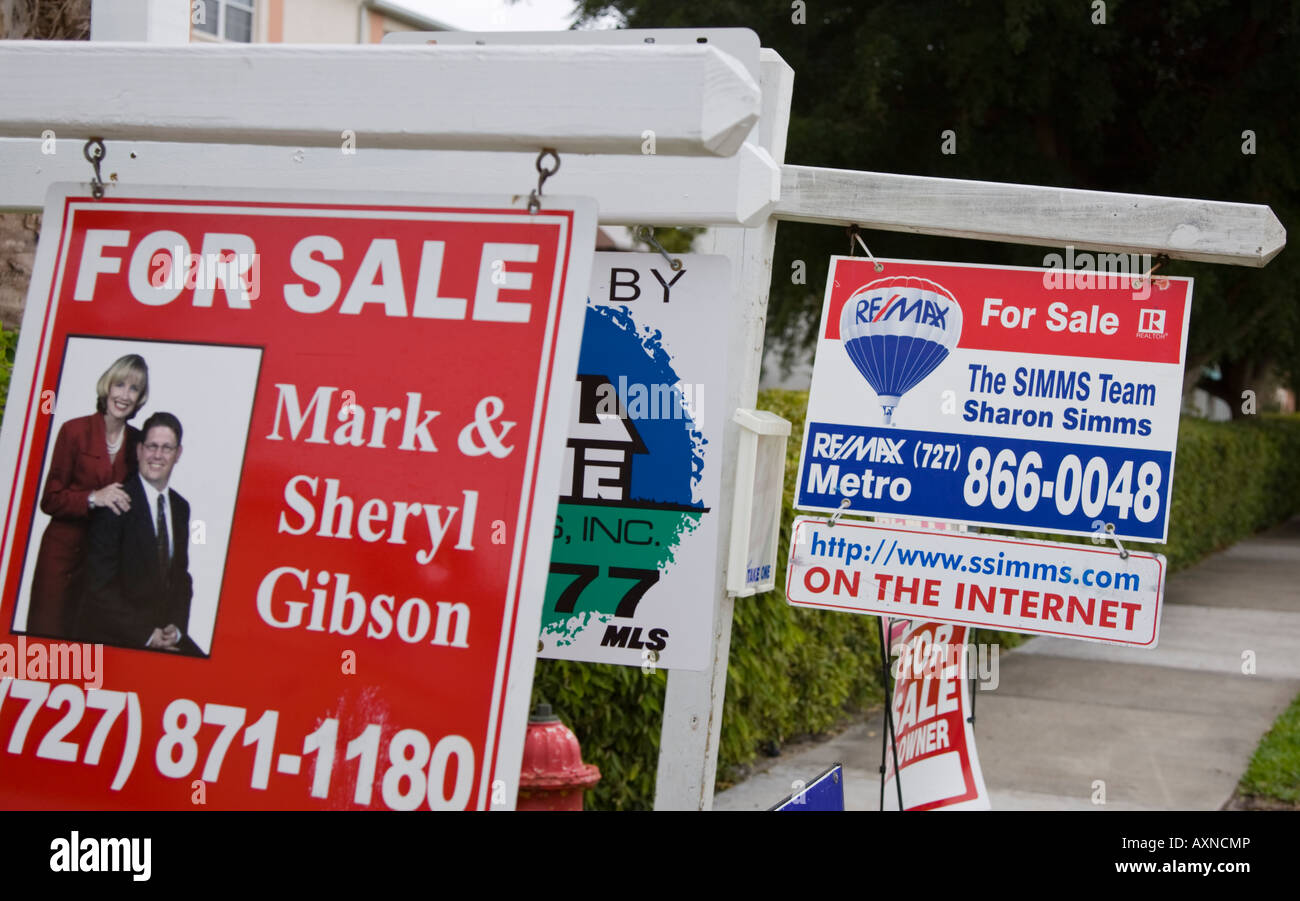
point(897, 331)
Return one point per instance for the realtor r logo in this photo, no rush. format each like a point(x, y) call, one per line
point(1151, 322)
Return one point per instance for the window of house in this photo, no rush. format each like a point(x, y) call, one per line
point(231, 20)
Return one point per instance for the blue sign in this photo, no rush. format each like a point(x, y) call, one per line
point(996, 396)
point(986, 480)
point(826, 792)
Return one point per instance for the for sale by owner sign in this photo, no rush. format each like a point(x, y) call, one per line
point(934, 743)
point(315, 556)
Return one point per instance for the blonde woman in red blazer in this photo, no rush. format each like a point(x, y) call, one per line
point(93, 456)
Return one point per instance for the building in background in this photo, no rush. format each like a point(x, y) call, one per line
point(304, 21)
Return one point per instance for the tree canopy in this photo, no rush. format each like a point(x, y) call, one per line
point(1189, 98)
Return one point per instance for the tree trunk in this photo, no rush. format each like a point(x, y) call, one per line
point(65, 20)
point(45, 20)
point(1238, 376)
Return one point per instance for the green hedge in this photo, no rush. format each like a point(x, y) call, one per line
point(794, 672)
point(1231, 480)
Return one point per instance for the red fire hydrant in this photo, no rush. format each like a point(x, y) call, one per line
point(553, 776)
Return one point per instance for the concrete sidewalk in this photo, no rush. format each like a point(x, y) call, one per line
point(1165, 729)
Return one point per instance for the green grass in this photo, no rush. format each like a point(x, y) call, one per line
point(1274, 770)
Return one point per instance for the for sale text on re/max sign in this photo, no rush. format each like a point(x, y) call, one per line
point(1011, 397)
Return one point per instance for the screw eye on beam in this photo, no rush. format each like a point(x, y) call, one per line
point(1209, 231)
point(696, 100)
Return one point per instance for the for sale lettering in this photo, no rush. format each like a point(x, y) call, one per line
point(1060, 317)
point(922, 705)
point(319, 262)
point(934, 746)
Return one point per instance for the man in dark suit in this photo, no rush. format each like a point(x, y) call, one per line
point(138, 585)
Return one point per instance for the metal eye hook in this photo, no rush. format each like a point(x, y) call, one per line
point(1110, 530)
point(647, 234)
point(543, 173)
point(1159, 261)
point(835, 517)
point(94, 152)
point(854, 236)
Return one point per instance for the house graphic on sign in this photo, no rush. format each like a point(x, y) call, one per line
point(598, 456)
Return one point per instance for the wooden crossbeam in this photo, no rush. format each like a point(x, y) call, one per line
point(1209, 231)
point(690, 100)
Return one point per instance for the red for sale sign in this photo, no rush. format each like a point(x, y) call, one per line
point(281, 471)
point(934, 744)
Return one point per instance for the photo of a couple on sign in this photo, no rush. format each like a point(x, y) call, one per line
point(112, 563)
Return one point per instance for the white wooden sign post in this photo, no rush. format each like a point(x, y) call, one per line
point(661, 127)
